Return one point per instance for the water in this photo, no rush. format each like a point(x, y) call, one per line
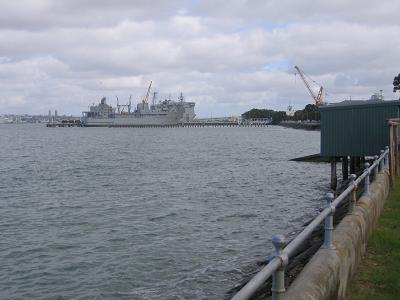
point(100, 213)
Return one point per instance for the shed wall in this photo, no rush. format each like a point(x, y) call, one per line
point(359, 130)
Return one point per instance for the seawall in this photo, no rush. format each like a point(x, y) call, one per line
point(329, 272)
point(301, 125)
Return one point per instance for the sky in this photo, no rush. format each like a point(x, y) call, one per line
point(227, 56)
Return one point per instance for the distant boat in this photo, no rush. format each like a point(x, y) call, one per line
point(5, 120)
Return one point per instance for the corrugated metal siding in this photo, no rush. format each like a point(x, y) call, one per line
point(356, 130)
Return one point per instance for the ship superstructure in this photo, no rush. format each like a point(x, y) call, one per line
point(163, 113)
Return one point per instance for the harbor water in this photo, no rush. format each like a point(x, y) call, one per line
point(152, 213)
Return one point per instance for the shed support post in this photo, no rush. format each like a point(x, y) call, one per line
point(357, 162)
point(352, 165)
point(362, 161)
point(345, 168)
point(333, 173)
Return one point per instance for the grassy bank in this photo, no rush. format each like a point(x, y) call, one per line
point(378, 276)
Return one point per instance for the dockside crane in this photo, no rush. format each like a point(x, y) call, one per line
point(146, 98)
point(319, 99)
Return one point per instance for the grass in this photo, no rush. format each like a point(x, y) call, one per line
point(378, 276)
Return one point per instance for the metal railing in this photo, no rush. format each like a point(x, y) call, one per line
point(276, 267)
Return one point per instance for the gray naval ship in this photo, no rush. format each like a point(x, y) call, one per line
point(163, 113)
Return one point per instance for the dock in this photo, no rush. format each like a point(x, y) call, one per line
point(193, 124)
point(65, 123)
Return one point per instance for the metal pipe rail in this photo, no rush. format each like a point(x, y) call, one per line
point(282, 254)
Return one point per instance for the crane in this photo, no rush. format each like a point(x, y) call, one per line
point(146, 98)
point(319, 99)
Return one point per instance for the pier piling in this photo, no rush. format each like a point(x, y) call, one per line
point(333, 173)
point(345, 167)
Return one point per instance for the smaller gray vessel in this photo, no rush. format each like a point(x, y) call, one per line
point(163, 113)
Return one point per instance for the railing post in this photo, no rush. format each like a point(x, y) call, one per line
point(278, 278)
point(328, 235)
point(381, 163)
point(387, 157)
point(353, 195)
point(366, 182)
point(376, 167)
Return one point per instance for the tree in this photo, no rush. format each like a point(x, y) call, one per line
point(310, 112)
point(278, 116)
point(257, 114)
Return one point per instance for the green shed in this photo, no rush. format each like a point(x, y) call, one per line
point(356, 128)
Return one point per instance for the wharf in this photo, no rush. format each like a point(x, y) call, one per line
point(186, 125)
point(222, 124)
point(64, 123)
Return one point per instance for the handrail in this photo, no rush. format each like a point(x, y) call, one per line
point(281, 255)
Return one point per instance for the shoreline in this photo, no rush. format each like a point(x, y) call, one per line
point(301, 125)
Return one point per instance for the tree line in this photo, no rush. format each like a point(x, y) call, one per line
point(309, 113)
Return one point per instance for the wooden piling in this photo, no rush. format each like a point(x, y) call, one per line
point(352, 165)
point(357, 160)
point(333, 173)
point(345, 168)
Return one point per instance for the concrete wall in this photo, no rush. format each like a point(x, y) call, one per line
point(329, 272)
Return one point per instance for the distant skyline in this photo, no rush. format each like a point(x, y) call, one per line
point(227, 56)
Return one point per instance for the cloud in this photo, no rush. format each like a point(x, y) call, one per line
point(228, 57)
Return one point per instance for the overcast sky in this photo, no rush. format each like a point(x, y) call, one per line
point(227, 56)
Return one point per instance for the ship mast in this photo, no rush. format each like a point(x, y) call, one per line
point(118, 106)
point(181, 97)
point(154, 98)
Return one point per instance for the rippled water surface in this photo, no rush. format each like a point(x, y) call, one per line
point(101, 213)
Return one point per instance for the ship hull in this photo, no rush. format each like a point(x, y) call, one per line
point(132, 121)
